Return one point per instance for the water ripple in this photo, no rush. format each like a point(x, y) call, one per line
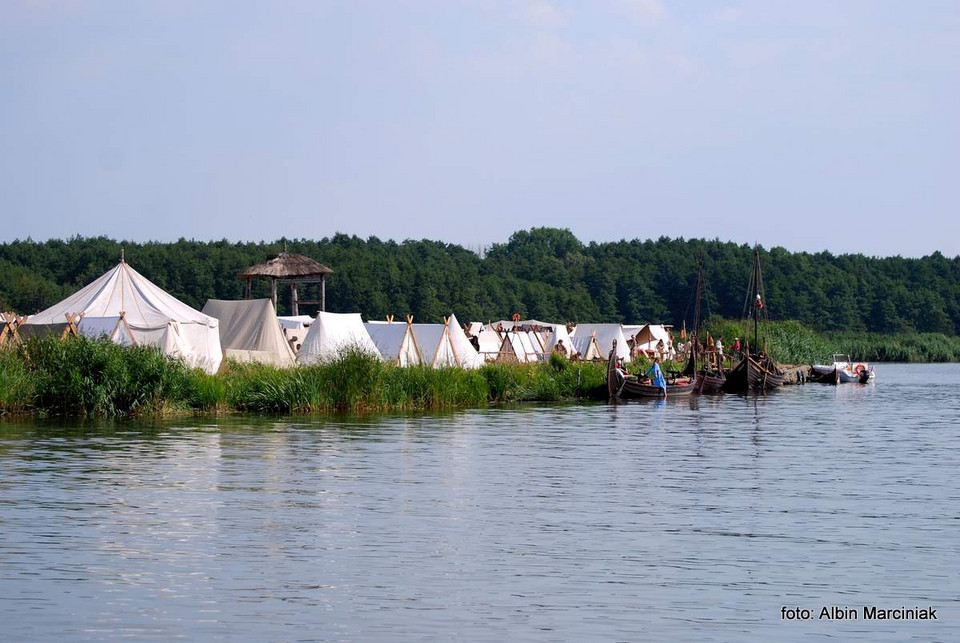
point(678, 519)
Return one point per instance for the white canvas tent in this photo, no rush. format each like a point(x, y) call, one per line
point(605, 334)
point(559, 334)
point(466, 355)
point(586, 345)
point(520, 347)
point(249, 331)
point(436, 348)
point(295, 329)
point(446, 344)
point(490, 341)
point(153, 316)
point(113, 328)
point(396, 342)
point(647, 337)
point(331, 334)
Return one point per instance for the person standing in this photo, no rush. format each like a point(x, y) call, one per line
point(656, 376)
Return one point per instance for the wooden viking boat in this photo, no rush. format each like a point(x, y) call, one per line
point(620, 387)
point(756, 371)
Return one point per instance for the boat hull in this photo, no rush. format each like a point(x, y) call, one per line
point(824, 375)
point(753, 374)
point(709, 383)
point(637, 390)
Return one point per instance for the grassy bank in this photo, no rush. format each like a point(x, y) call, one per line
point(92, 378)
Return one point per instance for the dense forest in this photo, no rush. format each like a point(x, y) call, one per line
point(542, 273)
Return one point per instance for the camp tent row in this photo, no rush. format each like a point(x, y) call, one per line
point(436, 345)
point(130, 310)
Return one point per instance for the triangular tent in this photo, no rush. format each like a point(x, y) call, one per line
point(520, 347)
point(435, 344)
point(331, 334)
point(586, 346)
point(466, 355)
point(250, 332)
point(605, 335)
point(396, 342)
point(155, 317)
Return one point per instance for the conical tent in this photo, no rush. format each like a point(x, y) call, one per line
point(331, 334)
point(153, 316)
point(250, 332)
point(396, 342)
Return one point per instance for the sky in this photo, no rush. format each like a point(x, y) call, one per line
point(808, 125)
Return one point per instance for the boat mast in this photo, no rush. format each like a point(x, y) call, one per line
point(696, 314)
point(756, 307)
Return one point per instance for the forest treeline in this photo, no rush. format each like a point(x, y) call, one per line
point(542, 273)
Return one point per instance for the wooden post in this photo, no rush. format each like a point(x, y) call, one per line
point(273, 294)
point(71, 329)
point(249, 288)
point(323, 294)
point(295, 303)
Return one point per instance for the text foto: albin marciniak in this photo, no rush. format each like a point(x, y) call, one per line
point(867, 613)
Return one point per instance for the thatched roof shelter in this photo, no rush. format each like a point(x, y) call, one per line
point(286, 266)
point(292, 269)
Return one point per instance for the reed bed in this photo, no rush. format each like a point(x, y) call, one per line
point(95, 378)
point(790, 342)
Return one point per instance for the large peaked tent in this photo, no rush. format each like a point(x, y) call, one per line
point(153, 316)
point(249, 331)
point(331, 334)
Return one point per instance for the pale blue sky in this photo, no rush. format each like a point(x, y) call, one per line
point(809, 125)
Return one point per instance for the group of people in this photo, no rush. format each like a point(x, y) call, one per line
point(655, 373)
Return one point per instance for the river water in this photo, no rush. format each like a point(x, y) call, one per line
point(676, 520)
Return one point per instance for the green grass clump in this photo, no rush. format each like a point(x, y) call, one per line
point(85, 377)
point(16, 382)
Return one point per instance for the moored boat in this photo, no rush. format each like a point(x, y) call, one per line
point(622, 386)
point(822, 374)
point(754, 373)
point(844, 370)
point(757, 371)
